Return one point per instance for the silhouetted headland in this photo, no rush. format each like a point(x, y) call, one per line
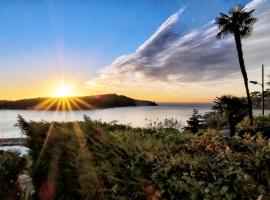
point(74, 103)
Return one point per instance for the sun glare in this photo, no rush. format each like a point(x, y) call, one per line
point(63, 91)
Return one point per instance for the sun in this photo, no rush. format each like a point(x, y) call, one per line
point(63, 91)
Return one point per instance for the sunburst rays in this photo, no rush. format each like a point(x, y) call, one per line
point(65, 104)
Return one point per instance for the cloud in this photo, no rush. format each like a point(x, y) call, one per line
point(169, 58)
point(253, 4)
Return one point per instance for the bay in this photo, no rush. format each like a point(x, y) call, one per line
point(135, 116)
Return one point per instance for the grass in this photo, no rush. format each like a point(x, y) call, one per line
point(95, 160)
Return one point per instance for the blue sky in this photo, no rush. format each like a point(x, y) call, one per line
point(109, 28)
point(88, 39)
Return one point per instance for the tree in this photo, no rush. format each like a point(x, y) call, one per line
point(256, 97)
point(239, 23)
point(232, 108)
point(194, 122)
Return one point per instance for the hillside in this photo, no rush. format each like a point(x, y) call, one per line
point(75, 103)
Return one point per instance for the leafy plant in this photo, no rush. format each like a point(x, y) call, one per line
point(228, 111)
point(261, 125)
point(11, 165)
point(94, 160)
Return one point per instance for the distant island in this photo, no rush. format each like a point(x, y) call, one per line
point(74, 103)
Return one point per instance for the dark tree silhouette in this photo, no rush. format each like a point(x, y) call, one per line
point(194, 122)
point(239, 22)
point(256, 97)
point(232, 108)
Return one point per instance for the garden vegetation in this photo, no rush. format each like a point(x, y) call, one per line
point(94, 160)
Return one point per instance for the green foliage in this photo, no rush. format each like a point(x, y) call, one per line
point(94, 160)
point(168, 123)
point(194, 122)
point(227, 112)
point(11, 165)
point(261, 125)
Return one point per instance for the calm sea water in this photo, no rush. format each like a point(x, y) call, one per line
point(135, 116)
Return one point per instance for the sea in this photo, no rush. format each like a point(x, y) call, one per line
point(141, 116)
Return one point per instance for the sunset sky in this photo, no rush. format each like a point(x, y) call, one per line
point(161, 50)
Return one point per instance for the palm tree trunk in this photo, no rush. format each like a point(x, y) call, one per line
point(244, 73)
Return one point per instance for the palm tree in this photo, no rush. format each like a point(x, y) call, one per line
point(232, 109)
point(239, 23)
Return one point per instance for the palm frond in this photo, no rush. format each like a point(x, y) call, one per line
point(223, 15)
point(223, 33)
point(250, 21)
point(238, 20)
point(246, 31)
point(220, 21)
point(237, 8)
point(251, 12)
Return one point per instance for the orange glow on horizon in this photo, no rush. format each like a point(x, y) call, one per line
point(63, 85)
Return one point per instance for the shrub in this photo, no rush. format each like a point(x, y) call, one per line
point(226, 113)
point(11, 165)
point(261, 125)
point(91, 160)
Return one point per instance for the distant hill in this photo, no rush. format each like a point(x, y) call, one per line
point(74, 103)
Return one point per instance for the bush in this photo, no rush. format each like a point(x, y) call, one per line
point(11, 165)
point(261, 125)
point(226, 113)
point(91, 160)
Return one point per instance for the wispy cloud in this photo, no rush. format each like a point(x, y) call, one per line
point(171, 59)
